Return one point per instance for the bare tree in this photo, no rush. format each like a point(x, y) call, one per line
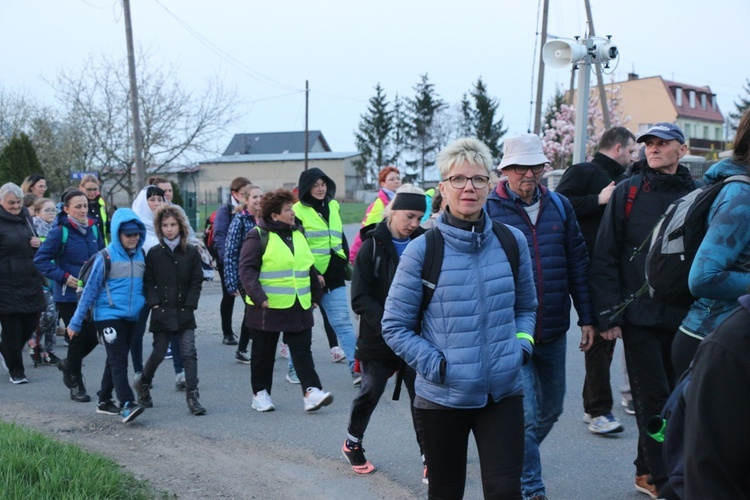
point(16, 112)
point(176, 123)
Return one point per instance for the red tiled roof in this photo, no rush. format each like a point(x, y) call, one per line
point(711, 113)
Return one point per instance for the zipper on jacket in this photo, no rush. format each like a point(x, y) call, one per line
point(538, 264)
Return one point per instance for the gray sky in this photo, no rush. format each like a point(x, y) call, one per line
point(266, 50)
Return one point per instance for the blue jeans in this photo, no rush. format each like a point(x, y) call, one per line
point(337, 309)
point(544, 391)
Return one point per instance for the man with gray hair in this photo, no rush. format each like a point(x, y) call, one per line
point(589, 186)
point(560, 263)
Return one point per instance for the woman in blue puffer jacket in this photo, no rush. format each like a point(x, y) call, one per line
point(475, 334)
point(720, 273)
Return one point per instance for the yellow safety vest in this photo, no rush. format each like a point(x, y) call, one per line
point(285, 276)
point(321, 236)
point(103, 216)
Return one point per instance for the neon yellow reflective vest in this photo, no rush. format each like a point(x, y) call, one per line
point(103, 216)
point(285, 276)
point(321, 236)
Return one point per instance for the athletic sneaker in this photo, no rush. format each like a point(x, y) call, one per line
point(50, 359)
point(425, 480)
point(316, 398)
point(242, 357)
point(107, 407)
point(337, 354)
point(355, 455)
point(130, 411)
point(291, 376)
point(283, 350)
point(643, 486)
point(587, 418)
point(19, 379)
point(168, 355)
point(605, 424)
point(356, 379)
point(179, 381)
point(262, 401)
point(628, 405)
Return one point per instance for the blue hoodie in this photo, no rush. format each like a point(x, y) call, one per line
point(122, 297)
point(720, 274)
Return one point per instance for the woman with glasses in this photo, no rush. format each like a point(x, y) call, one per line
point(60, 258)
point(473, 336)
point(21, 286)
point(91, 187)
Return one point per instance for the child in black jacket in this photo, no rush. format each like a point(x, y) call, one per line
point(172, 286)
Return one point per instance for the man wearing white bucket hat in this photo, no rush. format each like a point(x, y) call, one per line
point(560, 262)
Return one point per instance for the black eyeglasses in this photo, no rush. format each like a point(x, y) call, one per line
point(459, 181)
point(522, 169)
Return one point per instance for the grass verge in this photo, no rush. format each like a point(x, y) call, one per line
point(33, 465)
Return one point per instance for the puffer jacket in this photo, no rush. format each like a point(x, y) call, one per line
point(172, 281)
point(57, 262)
point(373, 273)
point(121, 297)
point(721, 270)
point(469, 349)
point(21, 285)
point(559, 258)
point(617, 270)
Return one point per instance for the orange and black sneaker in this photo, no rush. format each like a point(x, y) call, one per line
point(355, 455)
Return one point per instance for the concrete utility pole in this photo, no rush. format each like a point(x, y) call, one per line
point(140, 169)
point(540, 77)
point(599, 79)
point(307, 133)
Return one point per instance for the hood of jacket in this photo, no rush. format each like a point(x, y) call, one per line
point(725, 168)
point(121, 216)
point(21, 218)
point(306, 180)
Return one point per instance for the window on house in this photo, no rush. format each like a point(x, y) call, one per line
point(717, 133)
point(688, 132)
point(692, 98)
point(705, 132)
point(678, 96)
point(703, 101)
point(643, 128)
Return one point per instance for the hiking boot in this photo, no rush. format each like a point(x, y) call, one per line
point(143, 392)
point(605, 424)
point(107, 407)
point(229, 340)
point(291, 376)
point(179, 381)
point(355, 455)
point(130, 411)
point(78, 391)
point(194, 405)
point(68, 380)
point(643, 485)
point(242, 357)
point(262, 401)
point(337, 354)
point(317, 398)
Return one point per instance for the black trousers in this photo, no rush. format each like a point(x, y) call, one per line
point(226, 308)
point(648, 354)
point(17, 330)
point(116, 336)
point(186, 341)
point(683, 351)
point(597, 391)
point(263, 357)
point(82, 344)
point(499, 435)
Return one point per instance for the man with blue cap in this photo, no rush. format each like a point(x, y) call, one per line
point(646, 327)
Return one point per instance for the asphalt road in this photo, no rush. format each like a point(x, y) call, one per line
point(576, 464)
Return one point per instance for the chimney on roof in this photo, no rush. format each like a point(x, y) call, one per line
point(632, 76)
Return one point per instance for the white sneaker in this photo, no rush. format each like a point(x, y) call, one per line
point(262, 401)
point(605, 424)
point(291, 376)
point(337, 354)
point(283, 350)
point(587, 418)
point(316, 398)
point(179, 381)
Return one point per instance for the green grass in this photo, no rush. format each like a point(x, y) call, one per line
point(33, 466)
point(352, 212)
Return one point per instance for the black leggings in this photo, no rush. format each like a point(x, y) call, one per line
point(683, 350)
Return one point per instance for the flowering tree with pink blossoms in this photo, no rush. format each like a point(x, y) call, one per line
point(559, 131)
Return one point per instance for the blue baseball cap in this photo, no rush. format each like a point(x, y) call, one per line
point(666, 131)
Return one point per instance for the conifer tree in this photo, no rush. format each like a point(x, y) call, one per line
point(741, 106)
point(421, 112)
point(374, 137)
point(18, 160)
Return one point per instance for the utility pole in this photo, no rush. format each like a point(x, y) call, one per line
point(307, 133)
point(599, 79)
point(540, 78)
point(140, 170)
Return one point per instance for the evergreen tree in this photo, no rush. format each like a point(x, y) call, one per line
point(18, 160)
point(486, 128)
point(741, 106)
point(421, 112)
point(374, 138)
point(465, 121)
point(553, 106)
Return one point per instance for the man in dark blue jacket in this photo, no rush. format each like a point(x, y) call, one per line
point(560, 263)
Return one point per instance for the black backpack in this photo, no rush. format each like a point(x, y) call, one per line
point(675, 241)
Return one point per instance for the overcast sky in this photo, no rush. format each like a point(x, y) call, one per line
point(266, 50)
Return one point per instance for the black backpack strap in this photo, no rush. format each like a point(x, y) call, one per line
point(433, 262)
point(510, 245)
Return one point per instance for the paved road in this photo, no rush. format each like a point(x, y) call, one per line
point(577, 464)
